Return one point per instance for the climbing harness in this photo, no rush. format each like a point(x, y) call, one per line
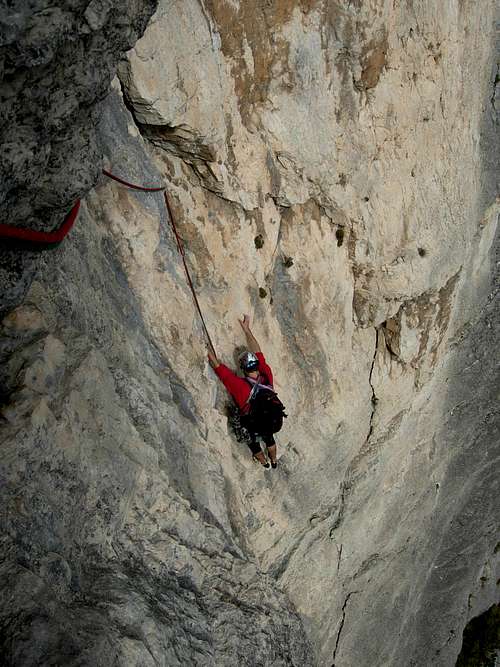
point(263, 408)
point(37, 237)
point(256, 386)
point(180, 246)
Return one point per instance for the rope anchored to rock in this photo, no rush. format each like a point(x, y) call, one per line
point(133, 186)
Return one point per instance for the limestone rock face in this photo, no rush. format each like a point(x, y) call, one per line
point(57, 62)
point(331, 169)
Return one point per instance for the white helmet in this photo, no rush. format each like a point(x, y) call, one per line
point(248, 362)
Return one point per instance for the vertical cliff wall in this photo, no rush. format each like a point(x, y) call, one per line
point(332, 169)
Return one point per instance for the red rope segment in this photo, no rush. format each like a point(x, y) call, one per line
point(178, 240)
point(130, 185)
point(22, 234)
point(190, 282)
point(33, 236)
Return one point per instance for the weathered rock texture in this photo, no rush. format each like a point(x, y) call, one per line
point(331, 168)
point(56, 64)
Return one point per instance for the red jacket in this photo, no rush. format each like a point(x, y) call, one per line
point(238, 387)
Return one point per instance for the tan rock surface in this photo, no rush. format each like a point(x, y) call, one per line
point(351, 138)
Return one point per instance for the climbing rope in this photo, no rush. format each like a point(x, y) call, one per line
point(45, 238)
point(52, 238)
point(130, 185)
point(190, 282)
point(180, 246)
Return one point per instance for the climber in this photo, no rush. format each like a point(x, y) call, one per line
point(260, 409)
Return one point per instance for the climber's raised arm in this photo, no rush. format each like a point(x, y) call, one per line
point(252, 343)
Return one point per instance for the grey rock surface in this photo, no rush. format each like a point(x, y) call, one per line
point(358, 142)
point(56, 64)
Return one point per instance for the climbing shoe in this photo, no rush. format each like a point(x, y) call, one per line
point(264, 465)
point(274, 464)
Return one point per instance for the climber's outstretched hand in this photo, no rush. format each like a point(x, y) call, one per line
point(253, 345)
point(212, 359)
point(245, 323)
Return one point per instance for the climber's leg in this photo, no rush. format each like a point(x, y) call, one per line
point(271, 448)
point(261, 458)
point(257, 452)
